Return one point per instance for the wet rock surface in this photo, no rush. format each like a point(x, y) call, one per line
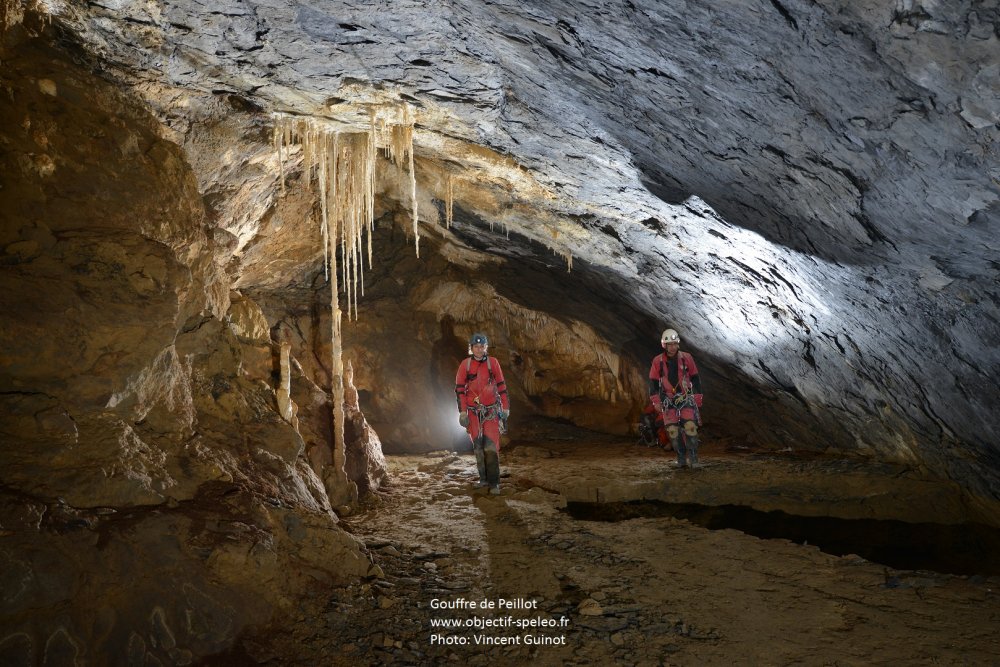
point(643, 591)
point(153, 501)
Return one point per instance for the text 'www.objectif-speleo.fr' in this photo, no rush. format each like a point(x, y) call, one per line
point(487, 623)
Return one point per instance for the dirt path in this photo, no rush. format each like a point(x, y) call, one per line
point(647, 591)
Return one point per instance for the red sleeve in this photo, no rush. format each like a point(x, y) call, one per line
point(461, 383)
point(654, 368)
point(692, 367)
point(501, 384)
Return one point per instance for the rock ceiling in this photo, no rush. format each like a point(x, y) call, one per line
point(806, 191)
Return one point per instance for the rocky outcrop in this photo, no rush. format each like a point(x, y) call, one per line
point(804, 192)
point(153, 502)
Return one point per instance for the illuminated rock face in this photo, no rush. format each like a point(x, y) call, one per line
point(805, 192)
point(806, 195)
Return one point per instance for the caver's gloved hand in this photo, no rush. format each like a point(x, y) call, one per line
point(463, 419)
point(656, 403)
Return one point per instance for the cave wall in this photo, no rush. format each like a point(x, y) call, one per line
point(817, 224)
point(412, 331)
point(807, 191)
point(153, 503)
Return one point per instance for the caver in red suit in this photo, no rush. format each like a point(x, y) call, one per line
point(675, 391)
point(483, 408)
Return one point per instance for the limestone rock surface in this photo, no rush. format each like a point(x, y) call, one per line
point(805, 191)
point(153, 503)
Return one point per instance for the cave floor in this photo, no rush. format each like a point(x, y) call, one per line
point(650, 590)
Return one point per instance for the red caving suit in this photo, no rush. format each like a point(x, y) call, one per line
point(482, 392)
point(663, 373)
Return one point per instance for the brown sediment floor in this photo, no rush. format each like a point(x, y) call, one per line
point(642, 591)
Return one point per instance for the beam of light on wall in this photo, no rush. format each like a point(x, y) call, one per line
point(749, 294)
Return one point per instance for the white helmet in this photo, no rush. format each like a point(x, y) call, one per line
point(669, 336)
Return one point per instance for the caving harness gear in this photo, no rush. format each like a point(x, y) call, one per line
point(484, 412)
point(679, 396)
point(650, 428)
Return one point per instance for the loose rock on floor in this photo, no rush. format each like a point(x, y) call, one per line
point(647, 591)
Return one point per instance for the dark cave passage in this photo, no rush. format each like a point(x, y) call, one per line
point(964, 549)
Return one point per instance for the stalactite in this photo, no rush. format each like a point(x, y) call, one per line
point(344, 170)
point(449, 203)
point(413, 181)
point(399, 148)
point(324, 188)
point(279, 145)
point(370, 222)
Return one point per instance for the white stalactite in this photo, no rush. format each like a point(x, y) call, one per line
point(449, 203)
point(344, 168)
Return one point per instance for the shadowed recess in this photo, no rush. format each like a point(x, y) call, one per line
point(969, 548)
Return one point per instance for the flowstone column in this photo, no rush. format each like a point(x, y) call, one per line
point(341, 490)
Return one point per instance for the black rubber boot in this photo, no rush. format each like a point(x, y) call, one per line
point(480, 465)
point(678, 445)
point(492, 466)
point(692, 447)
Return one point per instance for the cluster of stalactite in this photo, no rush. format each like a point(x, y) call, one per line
point(341, 167)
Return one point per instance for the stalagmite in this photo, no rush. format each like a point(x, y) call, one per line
point(286, 406)
point(342, 491)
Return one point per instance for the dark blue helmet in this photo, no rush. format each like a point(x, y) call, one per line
point(478, 339)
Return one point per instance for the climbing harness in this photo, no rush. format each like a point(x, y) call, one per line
point(683, 386)
point(484, 412)
point(647, 431)
point(680, 395)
